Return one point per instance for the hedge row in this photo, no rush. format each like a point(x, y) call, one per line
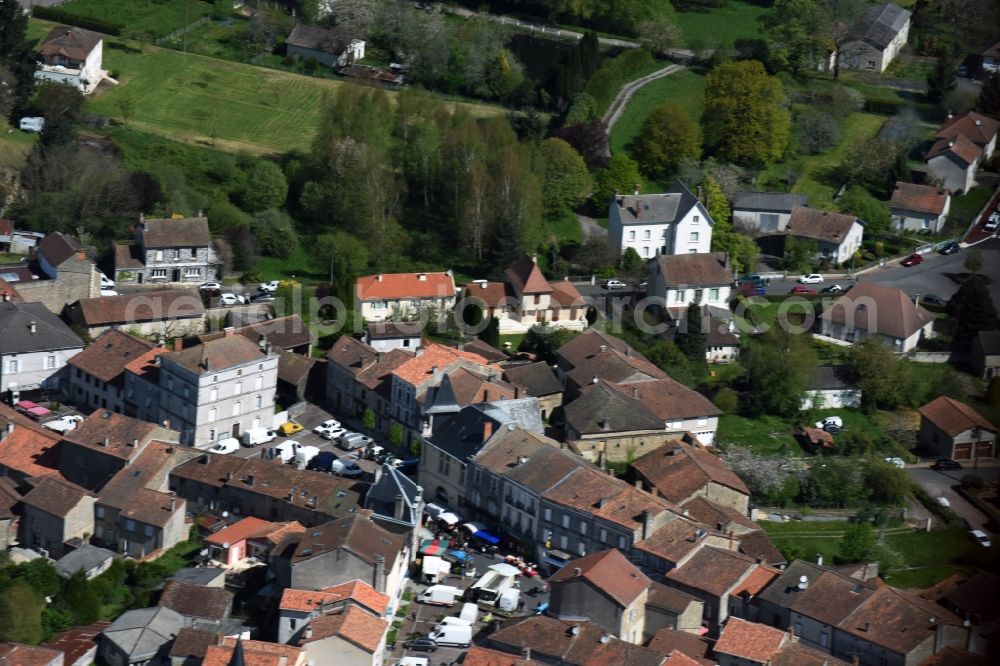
point(605, 83)
point(62, 16)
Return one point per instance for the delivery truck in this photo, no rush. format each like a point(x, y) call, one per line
point(439, 595)
point(487, 589)
point(434, 569)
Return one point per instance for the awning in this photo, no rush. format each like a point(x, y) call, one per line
point(449, 518)
point(38, 411)
point(26, 404)
point(430, 547)
point(558, 564)
point(437, 512)
point(505, 569)
point(478, 530)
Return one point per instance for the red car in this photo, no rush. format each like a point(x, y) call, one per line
point(913, 260)
point(799, 289)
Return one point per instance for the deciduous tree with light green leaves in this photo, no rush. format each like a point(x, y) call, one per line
point(745, 117)
point(742, 250)
point(621, 174)
point(566, 183)
point(793, 35)
point(669, 136)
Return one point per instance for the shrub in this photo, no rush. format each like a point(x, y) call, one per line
point(62, 16)
point(973, 482)
point(727, 400)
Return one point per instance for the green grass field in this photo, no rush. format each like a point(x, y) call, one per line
point(226, 105)
point(157, 17)
point(764, 434)
point(684, 89)
point(14, 145)
point(817, 174)
point(725, 25)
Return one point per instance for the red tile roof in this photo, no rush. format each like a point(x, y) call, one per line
point(954, 417)
point(713, 570)
point(255, 653)
point(679, 471)
point(493, 294)
point(14, 654)
point(106, 357)
point(896, 620)
point(749, 640)
point(420, 368)
point(76, 642)
point(216, 355)
point(565, 295)
point(120, 432)
point(480, 656)
point(975, 127)
point(30, 449)
point(960, 146)
point(919, 198)
point(167, 304)
point(608, 571)
point(878, 309)
point(239, 531)
point(526, 278)
point(394, 286)
point(354, 625)
point(678, 658)
point(75, 43)
point(359, 591)
point(674, 540)
point(695, 270)
point(821, 225)
point(758, 579)
point(9, 291)
point(668, 641)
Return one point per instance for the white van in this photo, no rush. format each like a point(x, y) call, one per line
point(226, 446)
point(452, 635)
point(354, 440)
point(32, 124)
point(303, 454)
point(256, 436)
point(509, 599)
point(439, 595)
point(469, 613)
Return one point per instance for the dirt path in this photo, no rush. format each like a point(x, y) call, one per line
point(589, 227)
point(621, 100)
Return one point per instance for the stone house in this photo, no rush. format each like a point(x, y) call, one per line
point(674, 222)
point(745, 643)
point(167, 313)
point(96, 377)
point(919, 207)
point(404, 295)
point(952, 429)
point(538, 381)
point(873, 310)
point(299, 607)
point(140, 636)
point(55, 513)
point(767, 212)
point(167, 251)
point(218, 389)
point(672, 609)
point(604, 588)
point(680, 472)
point(72, 56)
point(352, 637)
point(678, 281)
point(358, 378)
point(59, 272)
point(198, 604)
point(35, 347)
point(875, 39)
point(837, 236)
point(985, 354)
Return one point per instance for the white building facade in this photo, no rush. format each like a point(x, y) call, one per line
point(673, 222)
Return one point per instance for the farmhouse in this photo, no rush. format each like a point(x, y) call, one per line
point(875, 39)
point(324, 46)
point(165, 313)
point(72, 56)
point(167, 250)
point(674, 222)
point(919, 207)
point(837, 236)
point(765, 211)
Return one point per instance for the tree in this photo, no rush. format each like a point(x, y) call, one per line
point(15, 55)
point(989, 96)
point(582, 109)
point(275, 233)
point(263, 186)
point(396, 435)
point(778, 365)
point(816, 129)
point(668, 136)
point(340, 254)
point(545, 344)
point(838, 18)
point(873, 164)
point(974, 261)
point(659, 34)
point(993, 392)
point(632, 265)
point(941, 79)
point(620, 175)
point(20, 614)
point(797, 255)
point(878, 373)
point(590, 139)
point(368, 419)
point(125, 105)
point(792, 30)
point(972, 309)
point(81, 599)
point(745, 119)
point(873, 212)
point(888, 483)
point(566, 182)
point(857, 542)
point(692, 340)
point(717, 204)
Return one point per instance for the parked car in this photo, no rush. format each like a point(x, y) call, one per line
point(944, 464)
point(346, 467)
point(322, 461)
point(106, 282)
point(329, 424)
point(355, 440)
point(811, 278)
point(232, 299)
point(63, 423)
point(334, 433)
point(33, 124)
point(834, 421)
point(981, 538)
point(951, 247)
point(269, 287)
point(799, 289)
point(262, 297)
point(421, 644)
point(992, 222)
point(109, 292)
point(255, 436)
point(943, 501)
point(832, 289)
point(210, 286)
point(934, 299)
point(614, 284)
point(896, 462)
point(913, 260)
point(289, 428)
point(752, 278)
point(226, 446)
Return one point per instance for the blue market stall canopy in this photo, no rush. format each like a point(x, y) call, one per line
point(478, 530)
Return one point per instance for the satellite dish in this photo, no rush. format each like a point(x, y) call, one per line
point(225, 544)
point(225, 514)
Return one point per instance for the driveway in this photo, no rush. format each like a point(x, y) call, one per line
point(939, 484)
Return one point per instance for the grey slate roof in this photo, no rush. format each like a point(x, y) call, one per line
point(667, 207)
point(206, 576)
point(381, 497)
point(538, 378)
point(142, 633)
point(768, 202)
point(441, 399)
point(603, 409)
point(523, 412)
point(880, 24)
point(84, 558)
point(462, 436)
point(50, 331)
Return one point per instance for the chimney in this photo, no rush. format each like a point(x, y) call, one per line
point(635, 392)
point(419, 351)
point(200, 213)
point(978, 122)
point(522, 460)
point(422, 277)
point(173, 502)
point(266, 345)
point(105, 442)
point(250, 480)
point(156, 360)
point(178, 344)
point(134, 444)
point(638, 484)
point(379, 574)
point(308, 632)
point(228, 332)
point(602, 459)
point(866, 627)
point(638, 208)
point(142, 218)
point(526, 654)
point(938, 634)
point(397, 509)
point(517, 392)
point(487, 430)
point(647, 524)
point(32, 327)
point(378, 278)
point(577, 571)
point(701, 193)
point(637, 189)
point(620, 199)
point(229, 475)
point(819, 559)
point(6, 297)
point(603, 348)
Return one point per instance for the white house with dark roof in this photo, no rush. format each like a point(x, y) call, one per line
point(72, 56)
point(34, 346)
point(327, 47)
point(166, 251)
point(919, 207)
point(674, 222)
point(765, 211)
point(875, 39)
point(826, 389)
point(963, 143)
point(679, 280)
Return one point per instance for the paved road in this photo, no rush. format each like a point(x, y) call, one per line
point(939, 484)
